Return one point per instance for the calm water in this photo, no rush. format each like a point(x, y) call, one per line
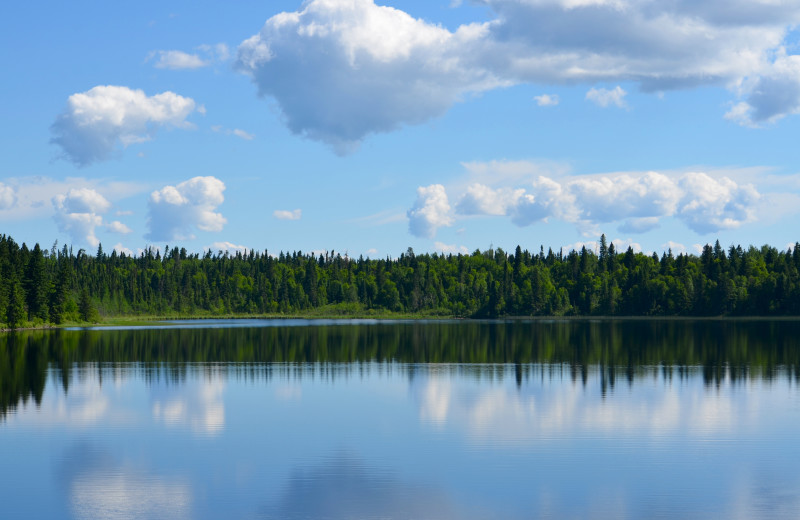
point(336, 420)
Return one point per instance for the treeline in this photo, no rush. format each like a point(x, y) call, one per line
point(39, 286)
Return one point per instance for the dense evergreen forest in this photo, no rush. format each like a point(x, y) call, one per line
point(40, 286)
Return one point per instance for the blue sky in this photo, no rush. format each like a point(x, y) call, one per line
point(367, 127)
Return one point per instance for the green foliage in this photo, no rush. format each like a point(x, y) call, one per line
point(40, 286)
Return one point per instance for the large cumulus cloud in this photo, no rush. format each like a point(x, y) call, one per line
point(174, 212)
point(99, 122)
point(340, 70)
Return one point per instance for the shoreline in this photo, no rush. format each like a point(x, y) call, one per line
point(146, 320)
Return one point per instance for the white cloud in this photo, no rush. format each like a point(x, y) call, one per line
point(659, 45)
point(341, 70)
point(242, 134)
point(676, 247)
point(118, 227)
point(590, 245)
point(175, 211)
point(238, 132)
point(772, 96)
point(450, 248)
point(483, 200)
point(430, 212)
point(704, 203)
point(622, 245)
point(8, 196)
point(227, 246)
point(547, 100)
point(34, 197)
point(120, 249)
point(96, 123)
point(713, 204)
point(79, 214)
point(639, 225)
point(285, 214)
point(176, 60)
point(221, 49)
point(605, 199)
point(604, 98)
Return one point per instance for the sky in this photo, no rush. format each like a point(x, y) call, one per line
point(366, 127)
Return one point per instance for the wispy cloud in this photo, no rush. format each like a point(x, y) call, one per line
point(284, 214)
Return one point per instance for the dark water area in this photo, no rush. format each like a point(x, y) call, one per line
point(369, 419)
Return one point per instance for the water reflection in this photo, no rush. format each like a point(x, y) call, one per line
point(735, 350)
point(550, 404)
point(100, 486)
point(198, 405)
point(394, 440)
point(344, 486)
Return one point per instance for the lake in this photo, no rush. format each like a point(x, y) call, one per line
point(301, 419)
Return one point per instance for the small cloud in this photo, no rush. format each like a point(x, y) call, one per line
point(123, 213)
point(372, 251)
point(78, 213)
point(180, 60)
point(547, 100)
point(8, 196)
point(227, 246)
point(241, 133)
point(176, 60)
point(430, 212)
point(450, 248)
point(238, 132)
point(698, 248)
point(577, 246)
point(217, 52)
point(676, 247)
point(120, 249)
point(639, 225)
point(622, 245)
point(284, 214)
point(175, 211)
point(118, 227)
point(604, 98)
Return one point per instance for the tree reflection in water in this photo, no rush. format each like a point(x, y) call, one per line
point(619, 350)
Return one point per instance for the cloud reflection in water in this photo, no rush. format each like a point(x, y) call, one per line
point(197, 404)
point(101, 486)
point(496, 412)
point(346, 487)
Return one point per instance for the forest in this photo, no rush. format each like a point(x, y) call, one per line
point(39, 287)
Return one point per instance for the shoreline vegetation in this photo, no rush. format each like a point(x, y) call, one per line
point(41, 288)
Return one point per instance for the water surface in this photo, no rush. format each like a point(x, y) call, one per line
point(559, 419)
